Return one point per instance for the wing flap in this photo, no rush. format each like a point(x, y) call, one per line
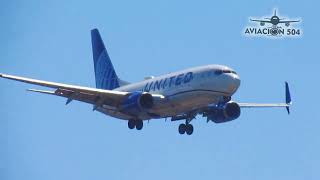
point(78, 96)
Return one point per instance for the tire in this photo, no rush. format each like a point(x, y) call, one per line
point(182, 128)
point(131, 124)
point(139, 124)
point(189, 129)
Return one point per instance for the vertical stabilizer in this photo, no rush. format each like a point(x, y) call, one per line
point(105, 75)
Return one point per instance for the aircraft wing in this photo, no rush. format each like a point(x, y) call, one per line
point(257, 105)
point(262, 105)
point(257, 20)
point(93, 96)
point(289, 21)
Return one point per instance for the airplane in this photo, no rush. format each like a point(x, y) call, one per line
point(274, 20)
point(182, 95)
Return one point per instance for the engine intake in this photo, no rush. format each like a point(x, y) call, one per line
point(146, 101)
point(231, 110)
point(228, 112)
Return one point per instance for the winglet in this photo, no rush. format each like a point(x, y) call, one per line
point(288, 97)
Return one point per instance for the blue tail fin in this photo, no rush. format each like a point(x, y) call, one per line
point(106, 77)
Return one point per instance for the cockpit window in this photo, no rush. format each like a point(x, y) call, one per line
point(219, 71)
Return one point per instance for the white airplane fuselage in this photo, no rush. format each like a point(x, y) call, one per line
point(185, 91)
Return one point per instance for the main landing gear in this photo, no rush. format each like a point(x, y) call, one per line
point(135, 123)
point(186, 128)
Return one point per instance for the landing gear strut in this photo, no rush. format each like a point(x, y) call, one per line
point(186, 128)
point(135, 123)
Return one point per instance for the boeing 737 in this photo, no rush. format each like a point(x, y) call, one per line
point(182, 95)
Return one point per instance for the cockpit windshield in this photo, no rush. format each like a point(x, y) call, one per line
point(224, 71)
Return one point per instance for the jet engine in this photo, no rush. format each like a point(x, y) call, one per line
point(228, 112)
point(137, 102)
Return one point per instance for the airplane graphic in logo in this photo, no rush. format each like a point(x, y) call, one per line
point(275, 20)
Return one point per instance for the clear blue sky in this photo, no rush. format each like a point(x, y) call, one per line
point(41, 138)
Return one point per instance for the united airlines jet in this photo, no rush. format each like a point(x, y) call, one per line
point(205, 90)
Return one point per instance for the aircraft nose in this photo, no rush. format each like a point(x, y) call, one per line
point(237, 81)
point(234, 83)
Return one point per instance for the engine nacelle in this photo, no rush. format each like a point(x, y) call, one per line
point(231, 110)
point(137, 102)
point(228, 112)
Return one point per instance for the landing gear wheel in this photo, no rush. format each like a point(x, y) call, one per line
point(189, 129)
point(131, 124)
point(139, 124)
point(182, 128)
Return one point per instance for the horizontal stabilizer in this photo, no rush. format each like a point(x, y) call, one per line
point(41, 91)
